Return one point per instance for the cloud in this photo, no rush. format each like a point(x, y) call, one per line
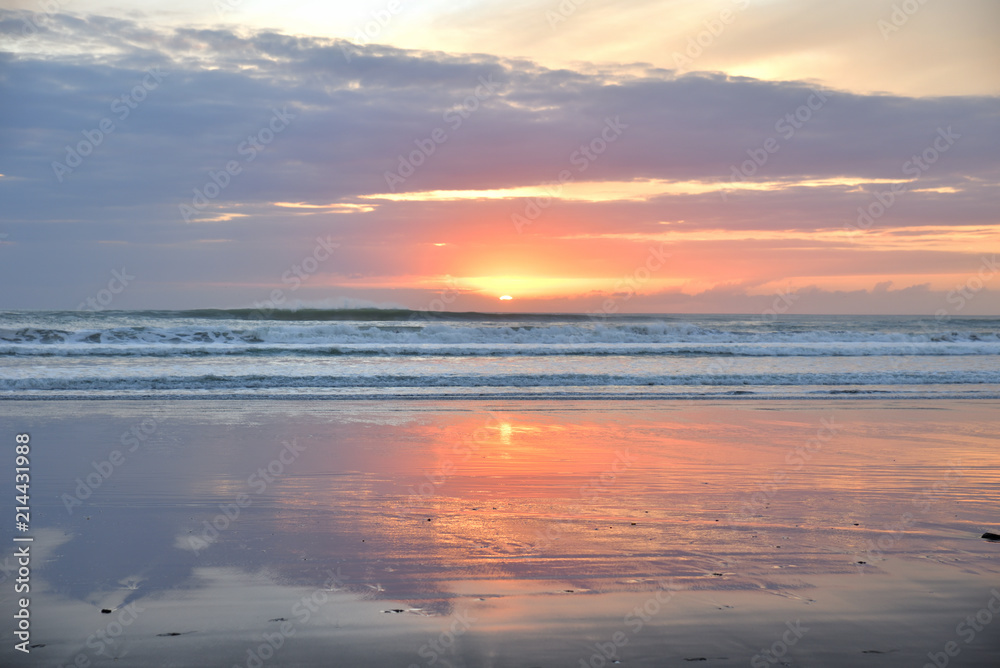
point(242, 123)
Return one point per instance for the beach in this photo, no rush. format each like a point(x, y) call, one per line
point(509, 533)
point(541, 334)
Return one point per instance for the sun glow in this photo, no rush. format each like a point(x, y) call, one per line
point(532, 286)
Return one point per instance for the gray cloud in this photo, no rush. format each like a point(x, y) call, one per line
point(357, 108)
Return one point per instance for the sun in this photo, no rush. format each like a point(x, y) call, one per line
point(506, 298)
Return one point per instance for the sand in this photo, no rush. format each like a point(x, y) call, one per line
point(538, 533)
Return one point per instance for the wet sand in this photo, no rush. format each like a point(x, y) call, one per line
point(532, 533)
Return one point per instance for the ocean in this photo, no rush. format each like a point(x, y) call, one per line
point(401, 354)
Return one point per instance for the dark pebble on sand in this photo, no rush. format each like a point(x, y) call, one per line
point(991, 536)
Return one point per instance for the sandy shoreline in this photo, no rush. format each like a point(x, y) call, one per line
point(506, 533)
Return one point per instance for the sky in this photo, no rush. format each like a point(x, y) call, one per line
point(666, 156)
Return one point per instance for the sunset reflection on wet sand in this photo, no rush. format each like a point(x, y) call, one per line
point(692, 530)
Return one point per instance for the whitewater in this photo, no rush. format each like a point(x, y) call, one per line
point(371, 353)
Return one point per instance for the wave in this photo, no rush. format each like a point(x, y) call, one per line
point(848, 382)
point(430, 350)
point(316, 338)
